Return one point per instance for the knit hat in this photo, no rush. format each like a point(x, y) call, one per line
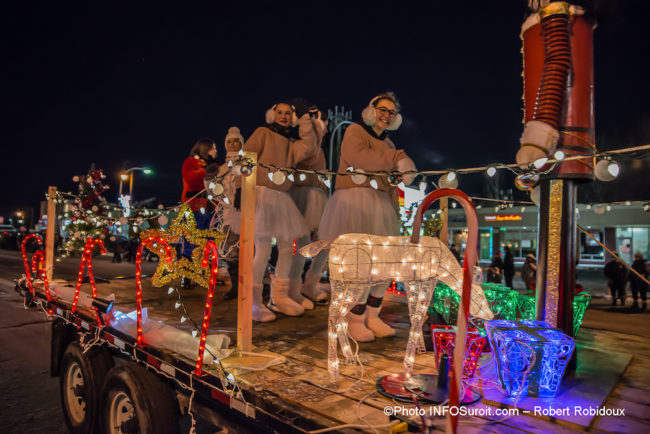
point(233, 133)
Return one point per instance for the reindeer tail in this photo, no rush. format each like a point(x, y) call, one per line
point(311, 250)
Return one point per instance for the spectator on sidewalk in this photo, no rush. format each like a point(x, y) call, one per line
point(638, 285)
point(616, 280)
point(455, 251)
point(529, 272)
point(508, 266)
point(495, 270)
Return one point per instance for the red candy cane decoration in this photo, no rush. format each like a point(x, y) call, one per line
point(23, 250)
point(138, 276)
point(210, 255)
point(463, 309)
point(39, 272)
point(87, 259)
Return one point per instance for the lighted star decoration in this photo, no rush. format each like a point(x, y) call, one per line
point(183, 228)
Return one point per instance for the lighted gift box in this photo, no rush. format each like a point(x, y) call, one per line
point(502, 300)
point(531, 356)
point(526, 308)
point(444, 338)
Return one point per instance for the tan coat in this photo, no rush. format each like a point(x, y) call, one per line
point(275, 149)
point(361, 150)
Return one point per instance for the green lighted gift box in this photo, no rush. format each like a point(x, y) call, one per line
point(505, 303)
point(526, 308)
point(502, 301)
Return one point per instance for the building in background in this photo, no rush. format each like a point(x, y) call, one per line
point(622, 228)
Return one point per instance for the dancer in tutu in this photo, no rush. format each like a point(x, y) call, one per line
point(280, 144)
point(359, 208)
point(310, 195)
point(229, 249)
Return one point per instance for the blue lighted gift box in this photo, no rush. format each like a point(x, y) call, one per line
point(531, 356)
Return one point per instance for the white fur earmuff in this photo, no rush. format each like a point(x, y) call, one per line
point(270, 115)
point(369, 114)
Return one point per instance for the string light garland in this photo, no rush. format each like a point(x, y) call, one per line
point(490, 170)
point(183, 228)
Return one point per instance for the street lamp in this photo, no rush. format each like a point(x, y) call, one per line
point(128, 174)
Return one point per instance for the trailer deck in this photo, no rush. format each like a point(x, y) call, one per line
point(296, 395)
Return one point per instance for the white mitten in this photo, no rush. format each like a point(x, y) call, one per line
point(538, 140)
point(404, 165)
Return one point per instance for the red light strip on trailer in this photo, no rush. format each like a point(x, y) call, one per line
point(138, 277)
point(87, 259)
point(210, 255)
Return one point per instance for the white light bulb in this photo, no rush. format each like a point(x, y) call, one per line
point(291, 178)
point(540, 163)
point(240, 153)
point(491, 171)
point(211, 185)
point(302, 177)
point(183, 319)
point(451, 176)
point(194, 333)
point(614, 169)
point(226, 200)
point(170, 290)
point(373, 184)
point(177, 305)
point(559, 155)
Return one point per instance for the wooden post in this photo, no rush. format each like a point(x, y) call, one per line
point(246, 255)
point(49, 235)
point(444, 217)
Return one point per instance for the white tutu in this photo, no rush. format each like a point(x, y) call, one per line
point(359, 210)
point(232, 218)
point(276, 215)
point(311, 203)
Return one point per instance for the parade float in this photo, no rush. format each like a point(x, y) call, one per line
point(492, 344)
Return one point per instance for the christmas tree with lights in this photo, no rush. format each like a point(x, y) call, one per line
point(86, 212)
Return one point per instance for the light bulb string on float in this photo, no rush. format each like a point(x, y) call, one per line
point(463, 310)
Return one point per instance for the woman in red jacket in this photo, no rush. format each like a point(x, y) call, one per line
point(203, 152)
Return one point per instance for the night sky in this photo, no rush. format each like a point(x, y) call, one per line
point(115, 83)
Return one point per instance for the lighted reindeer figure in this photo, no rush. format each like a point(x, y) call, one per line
point(358, 261)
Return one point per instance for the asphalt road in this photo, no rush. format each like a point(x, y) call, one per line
point(29, 402)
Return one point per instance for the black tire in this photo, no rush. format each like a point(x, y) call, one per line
point(136, 401)
point(80, 382)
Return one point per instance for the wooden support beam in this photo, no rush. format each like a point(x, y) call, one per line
point(246, 255)
point(49, 235)
point(444, 217)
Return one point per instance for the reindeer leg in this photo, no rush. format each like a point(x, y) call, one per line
point(344, 297)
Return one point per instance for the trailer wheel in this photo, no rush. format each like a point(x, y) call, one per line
point(82, 376)
point(136, 401)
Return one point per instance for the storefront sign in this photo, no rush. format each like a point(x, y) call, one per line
point(503, 218)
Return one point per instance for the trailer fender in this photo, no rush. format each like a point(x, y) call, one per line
point(62, 334)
